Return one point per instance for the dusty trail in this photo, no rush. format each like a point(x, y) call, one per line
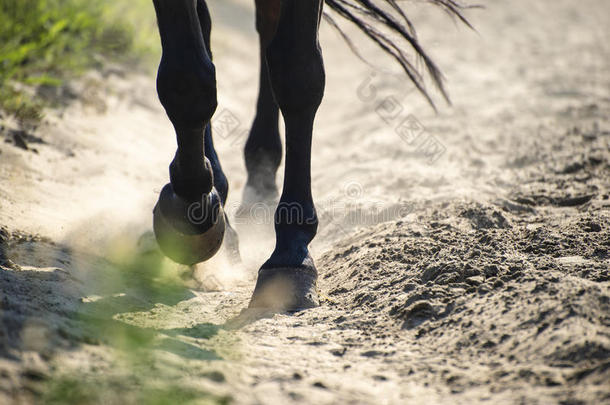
point(463, 256)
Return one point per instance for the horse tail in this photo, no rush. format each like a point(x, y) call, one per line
point(377, 19)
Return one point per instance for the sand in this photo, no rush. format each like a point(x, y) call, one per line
point(463, 256)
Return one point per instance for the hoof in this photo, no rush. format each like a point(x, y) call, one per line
point(286, 289)
point(188, 232)
point(257, 205)
point(231, 243)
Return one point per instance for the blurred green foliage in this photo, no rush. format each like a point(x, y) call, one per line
point(132, 294)
point(44, 41)
point(69, 390)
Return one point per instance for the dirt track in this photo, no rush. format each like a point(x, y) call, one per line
point(463, 256)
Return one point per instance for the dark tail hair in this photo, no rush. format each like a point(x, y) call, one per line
point(368, 14)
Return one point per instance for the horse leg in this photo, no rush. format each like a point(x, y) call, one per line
point(287, 281)
point(221, 183)
point(263, 149)
point(189, 222)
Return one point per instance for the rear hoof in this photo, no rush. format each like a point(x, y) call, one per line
point(231, 243)
point(188, 232)
point(257, 204)
point(286, 289)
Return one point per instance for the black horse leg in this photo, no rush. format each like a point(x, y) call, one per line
point(288, 279)
point(189, 221)
point(263, 150)
point(221, 183)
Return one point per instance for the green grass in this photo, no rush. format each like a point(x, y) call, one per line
point(139, 370)
point(68, 390)
point(43, 42)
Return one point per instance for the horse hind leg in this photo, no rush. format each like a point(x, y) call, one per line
point(263, 149)
point(287, 281)
point(189, 221)
point(221, 184)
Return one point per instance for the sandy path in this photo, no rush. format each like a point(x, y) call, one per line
point(464, 256)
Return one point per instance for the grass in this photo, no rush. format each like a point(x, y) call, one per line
point(43, 42)
point(70, 390)
point(133, 364)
